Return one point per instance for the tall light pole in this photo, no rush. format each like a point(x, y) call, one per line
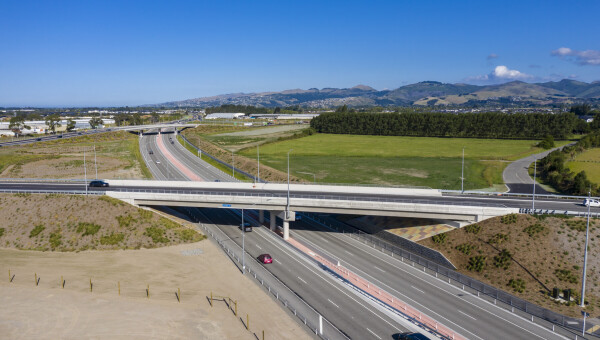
point(85, 173)
point(243, 245)
point(95, 163)
point(534, 175)
point(287, 209)
point(462, 173)
point(585, 253)
point(258, 161)
point(232, 165)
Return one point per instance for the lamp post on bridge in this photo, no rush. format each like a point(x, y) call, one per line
point(287, 207)
point(534, 176)
point(462, 172)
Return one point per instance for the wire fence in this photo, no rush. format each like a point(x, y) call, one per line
point(479, 288)
point(312, 319)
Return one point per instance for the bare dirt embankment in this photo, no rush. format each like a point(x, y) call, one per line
point(528, 257)
point(82, 241)
point(75, 223)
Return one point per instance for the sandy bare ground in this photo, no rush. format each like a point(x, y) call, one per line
point(48, 311)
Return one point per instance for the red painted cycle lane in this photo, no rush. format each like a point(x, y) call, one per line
point(180, 166)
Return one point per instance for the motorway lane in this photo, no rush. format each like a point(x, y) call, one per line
point(191, 161)
point(465, 313)
point(351, 314)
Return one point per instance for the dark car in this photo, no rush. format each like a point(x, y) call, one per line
point(247, 226)
point(38, 139)
point(98, 183)
point(59, 136)
point(151, 152)
point(410, 336)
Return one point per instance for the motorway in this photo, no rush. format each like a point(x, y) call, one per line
point(320, 290)
point(360, 319)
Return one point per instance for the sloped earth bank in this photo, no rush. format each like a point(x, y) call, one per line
point(540, 253)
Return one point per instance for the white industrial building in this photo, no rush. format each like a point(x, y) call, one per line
point(225, 115)
point(40, 127)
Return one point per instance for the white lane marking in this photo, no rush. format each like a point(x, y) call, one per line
point(259, 247)
point(323, 278)
point(299, 278)
point(349, 253)
point(370, 331)
point(465, 314)
point(415, 288)
point(379, 269)
point(332, 303)
point(358, 245)
point(276, 260)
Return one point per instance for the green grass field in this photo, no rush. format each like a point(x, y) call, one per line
point(390, 160)
point(588, 161)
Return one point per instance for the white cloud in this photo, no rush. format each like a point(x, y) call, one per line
point(499, 74)
point(504, 72)
point(588, 57)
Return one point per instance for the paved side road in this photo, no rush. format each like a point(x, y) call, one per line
point(516, 175)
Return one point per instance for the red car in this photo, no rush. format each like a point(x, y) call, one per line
point(265, 258)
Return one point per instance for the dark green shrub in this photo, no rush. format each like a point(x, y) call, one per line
point(534, 229)
point(473, 228)
point(477, 263)
point(87, 228)
point(439, 238)
point(1, 231)
point(517, 285)
point(509, 219)
point(112, 239)
point(36, 230)
point(465, 248)
point(499, 238)
point(125, 221)
point(156, 234)
point(565, 275)
point(55, 239)
point(503, 259)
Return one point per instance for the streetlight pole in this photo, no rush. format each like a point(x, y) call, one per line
point(258, 161)
point(243, 245)
point(85, 174)
point(462, 173)
point(534, 175)
point(232, 165)
point(587, 234)
point(95, 163)
point(287, 209)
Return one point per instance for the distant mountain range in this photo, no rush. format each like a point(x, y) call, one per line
point(515, 93)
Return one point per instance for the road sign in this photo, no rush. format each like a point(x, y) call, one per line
point(227, 205)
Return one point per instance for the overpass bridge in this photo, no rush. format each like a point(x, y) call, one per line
point(396, 202)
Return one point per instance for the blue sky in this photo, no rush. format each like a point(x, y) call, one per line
point(111, 53)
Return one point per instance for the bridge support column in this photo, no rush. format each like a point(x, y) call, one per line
point(273, 219)
point(286, 229)
point(261, 216)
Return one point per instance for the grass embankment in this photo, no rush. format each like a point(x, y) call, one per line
point(212, 162)
point(391, 160)
point(116, 154)
point(75, 223)
point(248, 164)
point(528, 257)
point(588, 161)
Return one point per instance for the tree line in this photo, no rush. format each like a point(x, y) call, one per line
point(554, 171)
point(477, 125)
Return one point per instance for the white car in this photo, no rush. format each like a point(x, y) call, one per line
point(591, 202)
point(157, 162)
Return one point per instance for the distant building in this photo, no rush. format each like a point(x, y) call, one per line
point(225, 115)
point(298, 116)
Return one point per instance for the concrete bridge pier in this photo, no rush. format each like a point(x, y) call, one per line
point(286, 229)
point(273, 219)
point(261, 216)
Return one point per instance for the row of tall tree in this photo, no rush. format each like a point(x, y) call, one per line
point(554, 171)
point(480, 125)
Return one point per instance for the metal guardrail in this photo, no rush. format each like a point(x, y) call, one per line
point(510, 301)
point(311, 321)
point(512, 194)
point(558, 212)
